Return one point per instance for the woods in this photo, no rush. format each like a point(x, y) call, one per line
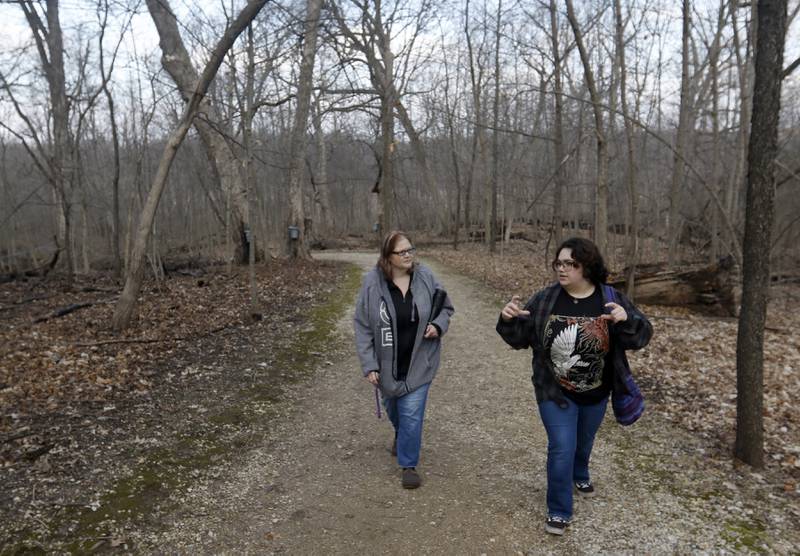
point(173, 176)
point(135, 133)
point(492, 126)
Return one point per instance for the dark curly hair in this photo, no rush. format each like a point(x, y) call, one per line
point(588, 255)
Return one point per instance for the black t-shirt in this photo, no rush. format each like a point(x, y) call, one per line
point(578, 341)
point(407, 323)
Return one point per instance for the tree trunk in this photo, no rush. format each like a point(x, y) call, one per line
point(716, 164)
point(558, 131)
point(116, 249)
point(763, 151)
point(50, 45)
point(386, 196)
point(323, 194)
point(673, 224)
point(479, 135)
point(491, 197)
point(632, 234)
point(298, 248)
point(601, 207)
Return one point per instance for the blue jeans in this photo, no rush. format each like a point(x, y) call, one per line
point(406, 414)
point(570, 436)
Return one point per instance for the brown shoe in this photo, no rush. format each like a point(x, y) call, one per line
point(411, 478)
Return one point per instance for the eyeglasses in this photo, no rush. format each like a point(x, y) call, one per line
point(405, 252)
point(568, 265)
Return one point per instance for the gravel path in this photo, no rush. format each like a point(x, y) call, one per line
point(325, 483)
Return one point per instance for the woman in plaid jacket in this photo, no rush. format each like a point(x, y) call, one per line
point(578, 329)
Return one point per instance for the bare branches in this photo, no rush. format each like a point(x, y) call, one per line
point(790, 68)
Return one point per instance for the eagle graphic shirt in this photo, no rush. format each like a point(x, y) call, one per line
point(578, 343)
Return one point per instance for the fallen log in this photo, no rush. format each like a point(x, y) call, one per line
point(69, 309)
point(41, 271)
point(709, 289)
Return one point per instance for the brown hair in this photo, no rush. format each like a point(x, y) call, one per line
point(389, 244)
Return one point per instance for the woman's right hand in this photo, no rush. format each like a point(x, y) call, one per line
point(513, 309)
point(373, 377)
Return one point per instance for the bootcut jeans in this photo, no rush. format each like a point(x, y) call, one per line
point(406, 414)
point(570, 436)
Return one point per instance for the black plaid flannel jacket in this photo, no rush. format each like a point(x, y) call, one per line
point(523, 333)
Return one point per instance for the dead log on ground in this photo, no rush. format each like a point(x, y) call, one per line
point(42, 271)
point(69, 309)
point(709, 289)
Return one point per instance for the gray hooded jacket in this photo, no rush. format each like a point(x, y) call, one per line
point(376, 331)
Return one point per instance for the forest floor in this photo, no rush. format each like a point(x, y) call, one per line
point(262, 437)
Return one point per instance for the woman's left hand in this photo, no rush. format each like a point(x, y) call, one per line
point(616, 314)
point(431, 332)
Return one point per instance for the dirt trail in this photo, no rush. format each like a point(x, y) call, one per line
point(325, 483)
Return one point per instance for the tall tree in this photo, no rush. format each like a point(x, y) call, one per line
point(491, 187)
point(476, 74)
point(558, 130)
point(681, 137)
point(632, 247)
point(116, 248)
point(56, 161)
point(601, 197)
point(762, 153)
point(299, 248)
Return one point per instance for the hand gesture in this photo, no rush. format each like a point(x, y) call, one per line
point(373, 378)
point(616, 313)
point(431, 332)
point(513, 309)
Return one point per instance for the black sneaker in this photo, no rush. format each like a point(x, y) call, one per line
point(556, 525)
point(410, 478)
point(584, 488)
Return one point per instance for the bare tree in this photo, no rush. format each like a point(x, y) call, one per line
point(135, 272)
point(558, 127)
point(490, 214)
point(681, 135)
point(763, 151)
point(601, 198)
point(374, 41)
point(299, 248)
point(176, 61)
point(54, 161)
point(476, 74)
point(633, 193)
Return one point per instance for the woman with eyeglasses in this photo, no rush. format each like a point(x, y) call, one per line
point(398, 342)
point(578, 330)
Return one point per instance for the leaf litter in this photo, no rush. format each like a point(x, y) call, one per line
point(82, 406)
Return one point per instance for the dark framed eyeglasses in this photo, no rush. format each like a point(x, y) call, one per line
point(568, 264)
point(405, 252)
